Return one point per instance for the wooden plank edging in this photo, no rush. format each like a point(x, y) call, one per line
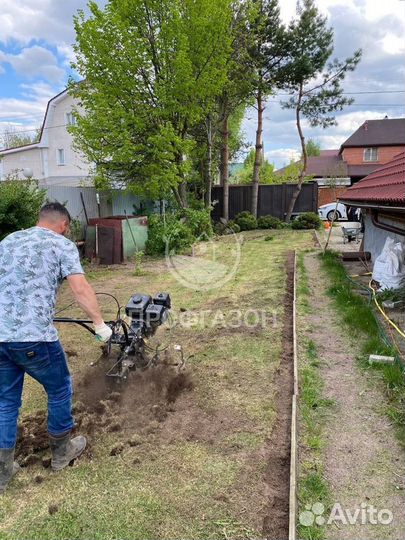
point(293, 447)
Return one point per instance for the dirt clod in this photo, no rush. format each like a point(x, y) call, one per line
point(30, 460)
point(46, 463)
point(114, 428)
point(52, 509)
point(135, 440)
point(177, 385)
point(117, 449)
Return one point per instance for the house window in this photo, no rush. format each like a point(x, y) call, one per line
point(70, 119)
point(61, 156)
point(371, 154)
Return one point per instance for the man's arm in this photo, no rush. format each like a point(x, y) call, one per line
point(87, 300)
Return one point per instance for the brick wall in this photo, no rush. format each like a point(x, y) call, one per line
point(354, 156)
point(328, 195)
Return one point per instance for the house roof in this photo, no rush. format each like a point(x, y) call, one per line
point(385, 132)
point(328, 164)
point(385, 185)
point(37, 144)
point(363, 169)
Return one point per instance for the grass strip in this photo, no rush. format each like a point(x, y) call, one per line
point(360, 316)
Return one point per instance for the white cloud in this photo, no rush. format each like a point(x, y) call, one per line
point(67, 52)
point(35, 62)
point(282, 155)
point(30, 110)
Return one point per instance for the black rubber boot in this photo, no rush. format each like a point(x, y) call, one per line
point(64, 450)
point(8, 467)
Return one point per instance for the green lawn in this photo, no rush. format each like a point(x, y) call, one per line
point(198, 472)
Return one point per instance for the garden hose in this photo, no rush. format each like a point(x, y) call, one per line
point(400, 332)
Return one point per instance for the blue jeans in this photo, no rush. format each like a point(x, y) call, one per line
point(46, 363)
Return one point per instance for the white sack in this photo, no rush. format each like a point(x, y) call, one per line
point(389, 267)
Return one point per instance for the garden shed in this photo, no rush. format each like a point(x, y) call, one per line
point(114, 239)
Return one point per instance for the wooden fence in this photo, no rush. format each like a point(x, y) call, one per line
point(273, 199)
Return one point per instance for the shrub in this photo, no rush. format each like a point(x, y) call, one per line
point(268, 222)
point(20, 202)
point(75, 232)
point(246, 221)
point(198, 221)
point(226, 228)
point(172, 231)
point(307, 220)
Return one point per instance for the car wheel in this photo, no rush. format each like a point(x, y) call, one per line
point(330, 214)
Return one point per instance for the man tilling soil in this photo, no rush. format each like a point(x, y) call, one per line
point(33, 264)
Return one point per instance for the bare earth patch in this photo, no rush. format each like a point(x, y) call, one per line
point(364, 462)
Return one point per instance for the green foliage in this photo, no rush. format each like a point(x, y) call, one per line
point(139, 256)
point(20, 202)
point(167, 233)
point(307, 220)
point(147, 87)
point(75, 230)
point(199, 222)
point(268, 222)
point(266, 175)
point(177, 231)
point(246, 221)
point(313, 148)
point(226, 228)
point(317, 91)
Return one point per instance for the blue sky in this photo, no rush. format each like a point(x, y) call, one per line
point(36, 50)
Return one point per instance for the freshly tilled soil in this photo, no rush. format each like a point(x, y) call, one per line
point(136, 405)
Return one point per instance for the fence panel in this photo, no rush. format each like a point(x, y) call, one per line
point(273, 199)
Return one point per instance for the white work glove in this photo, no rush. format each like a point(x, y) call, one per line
point(103, 332)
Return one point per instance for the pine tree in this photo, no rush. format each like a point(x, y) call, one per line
point(315, 85)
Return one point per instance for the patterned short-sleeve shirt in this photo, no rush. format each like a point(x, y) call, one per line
point(33, 264)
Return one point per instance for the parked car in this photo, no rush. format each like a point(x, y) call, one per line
point(326, 211)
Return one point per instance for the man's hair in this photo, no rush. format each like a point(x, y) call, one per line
point(54, 211)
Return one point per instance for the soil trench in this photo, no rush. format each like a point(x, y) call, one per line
point(275, 523)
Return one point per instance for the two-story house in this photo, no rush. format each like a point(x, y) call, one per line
point(60, 169)
point(52, 160)
point(373, 144)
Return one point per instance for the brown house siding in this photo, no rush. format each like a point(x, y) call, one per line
point(354, 156)
point(328, 195)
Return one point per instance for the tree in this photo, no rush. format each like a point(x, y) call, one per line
point(266, 174)
point(236, 94)
point(269, 54)
point(313, 148)
point(316, 92)
point(152, 70)
point(11, 137)
point(20, 202)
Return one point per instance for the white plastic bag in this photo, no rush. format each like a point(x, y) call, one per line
point(389, 267)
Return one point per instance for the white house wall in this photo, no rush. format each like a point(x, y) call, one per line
point(42, 158)
point(24, 159)
point(59, 137)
